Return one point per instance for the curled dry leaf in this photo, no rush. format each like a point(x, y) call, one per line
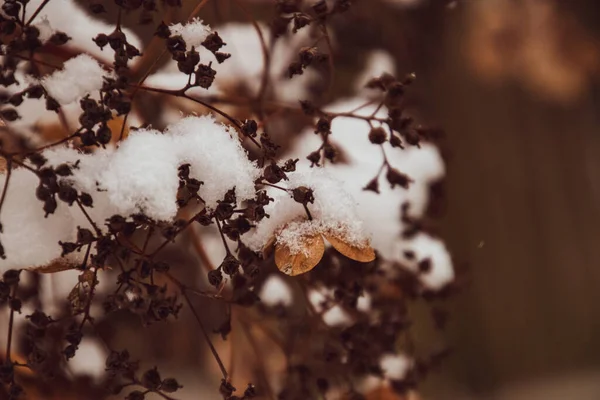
point(313, 248)
point(53, 267)
point(363, 253)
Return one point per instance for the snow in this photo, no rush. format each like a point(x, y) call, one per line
point(28, 238)
point(395, 366)
point(245, 67)
point(425, 247)
point(381, 213)
point(80, 75)
point(193, 32)
point(140, 176)
point(333, 212)
point(276, 292)
point(216, 157)
point(69, 17)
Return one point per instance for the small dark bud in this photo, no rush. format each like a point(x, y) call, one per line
point(86, 200)
point(395, 141)
point(135, 395)
point(11, 277)
point(116, 223)
point(52, 104)
point(59, 38)
point(378, 135)
point(323, 125)
point(37, 159)
point(290, 165)
point(396, 177)
point(175, 43)
point(16, 99)
point(226, 388)
point(101, 40)
point(300, 21)
point(84, 236)
point(35, 92)
point(250, 127)
point(303, 195)
point(116, 40)
point(10, 114)
point(215, 277)
point(329, 152)
point(151, 379)
point(63, 170)
point(273, 174)
point(67, 193)
point(103, 135)
point(250, 391)
point(50, 206)
point(97, 8)
point(221, 57)
point(295, 68)
point(69, 351)
point(307, 107)
point(11, 8)
point(67, 247)
point(15, 305)
point(184, 171)
point(307, 55)
point(170, 385)
point(373, 185)
point(314, 158)
point(205, 76)
point(213, 42)
point(230, 265)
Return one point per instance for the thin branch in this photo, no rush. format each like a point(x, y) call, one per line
point(206, 337)
point(258, 354)
point(37, 11)
point(11, 321)
point(5, 189)
point(87, 216)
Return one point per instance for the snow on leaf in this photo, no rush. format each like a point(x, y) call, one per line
point(293, 264)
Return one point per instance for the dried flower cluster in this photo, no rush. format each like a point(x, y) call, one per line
point(310, 217)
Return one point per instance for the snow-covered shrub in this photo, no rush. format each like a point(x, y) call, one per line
point(315, 224)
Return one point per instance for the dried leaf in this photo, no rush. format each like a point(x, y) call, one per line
point(295, 264)
point(53, 267)
point(363, 253)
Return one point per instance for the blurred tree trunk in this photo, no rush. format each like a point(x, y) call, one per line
point(524, 189)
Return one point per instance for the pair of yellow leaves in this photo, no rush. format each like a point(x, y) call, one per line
point(313, 248)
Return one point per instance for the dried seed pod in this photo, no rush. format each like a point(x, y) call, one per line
point(313, 248)
point(363, 253)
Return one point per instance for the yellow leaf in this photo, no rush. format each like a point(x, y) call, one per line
point(362, 253)
point(313, 248)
